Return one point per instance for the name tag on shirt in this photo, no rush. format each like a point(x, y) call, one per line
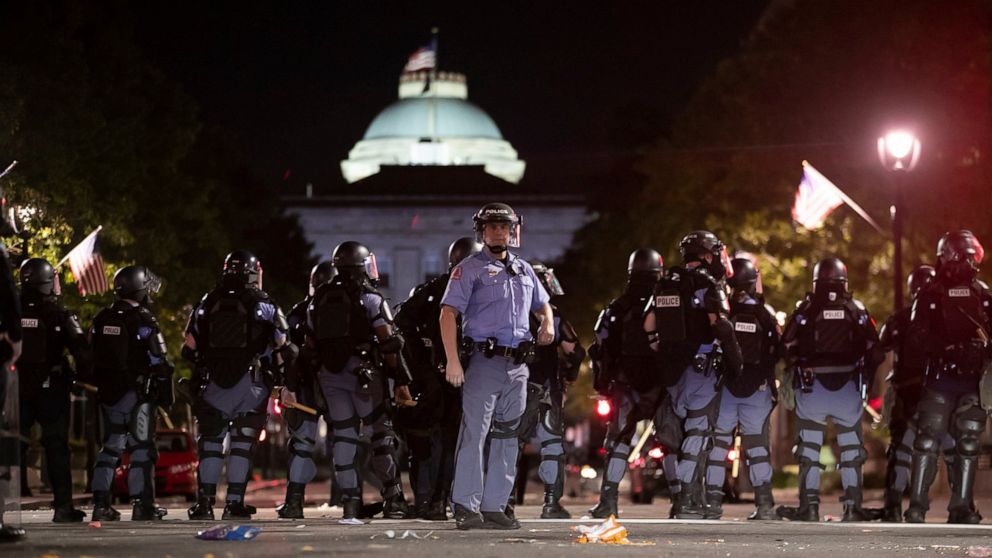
point(959, 292)
point(833, 314)
point(669, 301)
point(29, 322)
point(111, 330)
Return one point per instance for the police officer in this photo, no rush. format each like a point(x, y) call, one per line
point(350, 325)
point(133, 376)
point(10, 350)
point(951, 321)
point(747, 400)
point(49, 329)
point(624, 371)
point(688, 326)
point(493, 292)
point(431, 428)
point(903, 396)
point(829, 342)
point(556, 366)
point(301, 382)
point(236, 339)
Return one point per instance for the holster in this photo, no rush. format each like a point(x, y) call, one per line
point(527, 353)
point(466, 350)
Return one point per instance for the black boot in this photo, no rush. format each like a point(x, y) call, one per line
point(764, 504)
point(607, 505)
point(855, 513)
point(924, 471)
point(203, 509)
point(146, 510)
point(102, 510)
point(892, 512)
point(351, 504)
point(66, 513)
point(691, 504)
point(9, 533)
point(466, 519)
point(395, 507)
point(237, 510)
point(499, 520)
point(808, 510)
point(714, 503)
point(675, 496)
point(437, 509)
point(293, 507)
point(552, 500)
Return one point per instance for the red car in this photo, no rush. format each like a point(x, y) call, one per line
point(175, 472)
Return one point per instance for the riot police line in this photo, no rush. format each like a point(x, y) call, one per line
point(478, 361)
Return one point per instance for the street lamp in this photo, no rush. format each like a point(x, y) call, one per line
point(899, 151)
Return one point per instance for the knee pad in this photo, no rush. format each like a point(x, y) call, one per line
point(925, 442)
point(969, 446)
point(502, 430)
point(210, 422)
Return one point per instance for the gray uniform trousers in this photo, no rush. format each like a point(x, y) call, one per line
point(117, 421)
point(358, 417)
point(752, 414)
point(621, 437)
point(303, 435)
point(238, 411)
point(696, 400)
point(493, 398)
point(550, 429)
point(812, 411)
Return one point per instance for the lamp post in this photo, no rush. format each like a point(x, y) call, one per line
point(899, 151)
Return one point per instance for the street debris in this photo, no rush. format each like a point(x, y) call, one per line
point(978, 551)
point(607, 532)
point(351, 521)
point(408, 534)
point(229, 533)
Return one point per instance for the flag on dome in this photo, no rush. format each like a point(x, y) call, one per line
point(424, 58)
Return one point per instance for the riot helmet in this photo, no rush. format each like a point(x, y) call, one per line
point(695, 245)
point(959, 255)
point(830, 274)
point(645, 260)
point(498, 213)
point(137, 283)
point(320, 274)
point(546, 275)
point(242, 268)
point(355, 260)
point(38, 276)
point(745, 277)
point(462, 248)
point(919, 278)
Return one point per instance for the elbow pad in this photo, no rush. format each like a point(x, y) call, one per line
point(723, 330)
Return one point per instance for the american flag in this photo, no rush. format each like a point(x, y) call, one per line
point(815, 198)
point(425, 58)
point(86, 264)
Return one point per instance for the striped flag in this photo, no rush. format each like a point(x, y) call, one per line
point(425, 58)
point(86, 264)
point(815, 199)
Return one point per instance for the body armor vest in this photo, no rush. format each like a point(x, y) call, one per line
point(231, 335)
point(119, 356)
point(831, 337)
point(340, 322)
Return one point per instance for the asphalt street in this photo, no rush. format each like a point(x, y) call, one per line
point(320, 534)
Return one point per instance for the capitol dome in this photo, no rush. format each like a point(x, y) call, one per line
point(433, 124)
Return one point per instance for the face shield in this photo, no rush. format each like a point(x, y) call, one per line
point(56, 285)
point(728, 270)
point(259, 275)
point(515, 231)
point(371, 268)
point(551, 283)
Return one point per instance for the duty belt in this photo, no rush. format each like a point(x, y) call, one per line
point(498, 350)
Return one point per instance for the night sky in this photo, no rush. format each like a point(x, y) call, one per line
point(569, 84)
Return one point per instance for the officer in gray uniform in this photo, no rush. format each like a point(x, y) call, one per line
point(625, 372)
point(302, 383)
point(830, 341)
point(747, 400)
point(555, 368)
point(952, 321)
point(687, 324)
point(133, 376)
point(431, 428)
point(46, 376)
point(902, 398)
point(494, 292)
point(350, 328)
point(236, 339)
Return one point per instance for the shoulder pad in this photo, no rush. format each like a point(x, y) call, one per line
point(769, 309)
point(279, 319)
point(147, 316)
point(71, 323)
point(982, 284)
point(860, 305)
point(385, 311)
point(600, 319)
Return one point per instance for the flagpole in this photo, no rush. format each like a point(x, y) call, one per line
point(433, 83)
point(62, 261)
point(851, 203)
